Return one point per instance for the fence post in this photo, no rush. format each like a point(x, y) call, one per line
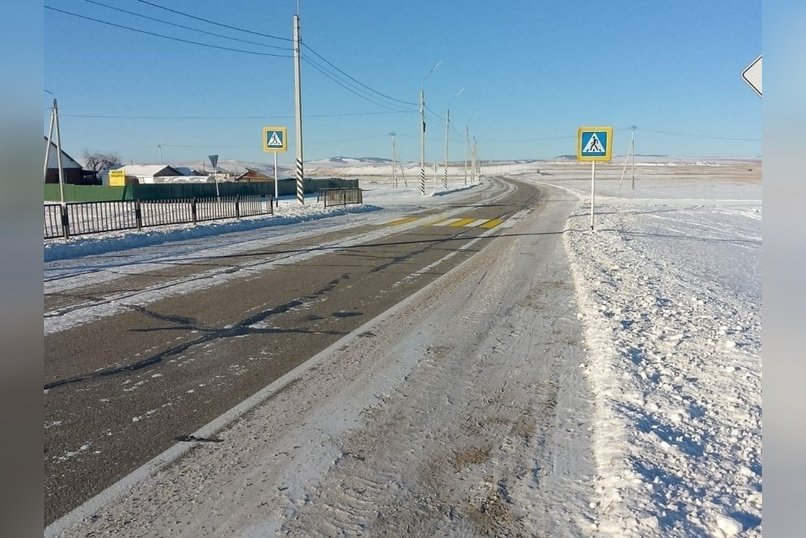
point(271, 204)
point(138, 214)
point(344, 197)
point(65, 221)
point(193, 209)
point(237, 206)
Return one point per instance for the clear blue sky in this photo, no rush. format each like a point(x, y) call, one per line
point(532, 72)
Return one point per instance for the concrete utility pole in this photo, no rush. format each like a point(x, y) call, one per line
point(467, 143)
point(447, 131)
point(632, 144)
point(422, 142)
point(54, 121)
point(422, 129)
point(394, 161)
point(298, 111)
point(630, 156)
point(474, 156)
point(447, 127)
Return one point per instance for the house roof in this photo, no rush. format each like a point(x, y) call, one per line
point(67, 161)
point(149, 170)
point(187, 171)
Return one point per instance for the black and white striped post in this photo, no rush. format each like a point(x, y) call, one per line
point(298, 111)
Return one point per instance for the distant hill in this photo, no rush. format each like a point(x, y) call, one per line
point(353, 160)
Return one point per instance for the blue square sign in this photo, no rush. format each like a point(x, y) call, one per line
point(594, 143)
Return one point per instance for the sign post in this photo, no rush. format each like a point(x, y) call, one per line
point(214, 161)
point(594, 144)
point(274, 141)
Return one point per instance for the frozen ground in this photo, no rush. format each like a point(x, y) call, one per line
point(657, 421)
point(669, 287)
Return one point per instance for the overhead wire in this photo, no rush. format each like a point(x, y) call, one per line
point(219, 118)
point(356, 80)
point(188, 41)
point(177, 25)
point(693, 135)
point(216, 23)
point(351, 88)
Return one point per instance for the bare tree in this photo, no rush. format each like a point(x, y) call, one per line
point(99, 161)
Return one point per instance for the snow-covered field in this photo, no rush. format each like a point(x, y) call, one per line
point(668, 291)
point(669, 287)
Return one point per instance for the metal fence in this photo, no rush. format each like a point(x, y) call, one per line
point(79, 218)
point(332, 197)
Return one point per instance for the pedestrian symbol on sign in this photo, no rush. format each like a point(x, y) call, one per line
point(593, 146)
point(276, 140)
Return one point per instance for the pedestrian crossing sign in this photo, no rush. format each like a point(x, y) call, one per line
point(274, 139)
point(594, 143)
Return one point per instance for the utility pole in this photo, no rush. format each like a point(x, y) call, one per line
point(447, 131)
point(394, 160)
point(630, 156)
point(632, 143)
point(54, 121)
point(447, 127)
point(298, 111)
point(474, 157)
point(467, 143)
point(422, 130)
point(422, 142)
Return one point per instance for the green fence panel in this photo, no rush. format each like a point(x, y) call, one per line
point(167, 191)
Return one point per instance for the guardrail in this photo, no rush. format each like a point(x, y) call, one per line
point(79, 218)
point(332, 197)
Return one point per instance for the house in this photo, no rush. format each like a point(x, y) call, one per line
point(72, 171)
point(253, 175)
point(147, 173)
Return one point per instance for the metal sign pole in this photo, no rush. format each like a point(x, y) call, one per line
point(276, 181)
point(593, 188)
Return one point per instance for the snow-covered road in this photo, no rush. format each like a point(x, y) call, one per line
point(560, 382)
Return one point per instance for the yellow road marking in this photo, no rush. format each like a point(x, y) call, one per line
point(402, 220)
point(461, 222)
point(467, 222)
point(448, 222)
point(492, 223)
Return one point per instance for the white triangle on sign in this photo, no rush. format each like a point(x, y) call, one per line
point(593, 145)
point(274, 141)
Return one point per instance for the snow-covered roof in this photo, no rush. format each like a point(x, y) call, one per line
point(187, 171)
point(149, 170)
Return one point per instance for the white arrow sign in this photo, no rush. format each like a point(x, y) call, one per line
point(752, 75)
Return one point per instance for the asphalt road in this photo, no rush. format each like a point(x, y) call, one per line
point(123, 388)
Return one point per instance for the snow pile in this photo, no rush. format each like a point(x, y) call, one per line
point(287, 213)
point(669, 284)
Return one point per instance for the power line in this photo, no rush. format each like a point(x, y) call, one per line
point(185, 27)
point(214, 22)
point(219, 118)
point(346, 85)
point(356, 80)
point(691, 135)
point(164, 36)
